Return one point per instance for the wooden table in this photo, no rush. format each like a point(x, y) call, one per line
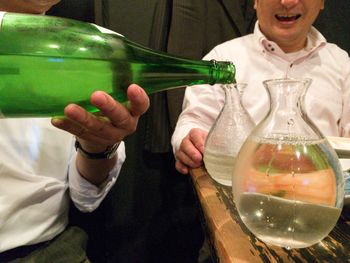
point(233, 242)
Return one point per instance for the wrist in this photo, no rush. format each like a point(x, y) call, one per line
point(108, 153)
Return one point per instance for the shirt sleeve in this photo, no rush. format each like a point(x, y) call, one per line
point(86, 196)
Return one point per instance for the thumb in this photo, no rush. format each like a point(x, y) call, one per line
point(138, 100)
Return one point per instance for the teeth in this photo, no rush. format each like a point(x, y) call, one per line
point(287, 17)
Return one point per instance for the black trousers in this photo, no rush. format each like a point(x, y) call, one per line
point(151, 215)
point(69, 246)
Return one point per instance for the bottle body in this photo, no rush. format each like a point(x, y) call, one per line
point(48, 62)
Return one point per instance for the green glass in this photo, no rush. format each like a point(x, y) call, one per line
point(48, 62)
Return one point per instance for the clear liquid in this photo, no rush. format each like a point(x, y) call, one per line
point(219, 166)
point(287, 223)
point(288, 194)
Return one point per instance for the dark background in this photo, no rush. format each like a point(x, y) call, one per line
point(133, 18)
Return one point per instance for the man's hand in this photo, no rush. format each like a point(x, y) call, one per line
point(111, 125)
point(28, 6)
point(96, 132)
point(190, 153)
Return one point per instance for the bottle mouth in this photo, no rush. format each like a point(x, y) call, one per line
point(225, 72)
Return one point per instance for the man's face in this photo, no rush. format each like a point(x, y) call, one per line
point(287, 22)
point(27, 6)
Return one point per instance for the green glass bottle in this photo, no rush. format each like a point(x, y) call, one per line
point(48, 62)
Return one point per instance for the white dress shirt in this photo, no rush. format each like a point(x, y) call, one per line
point(257, 59)
point(37, 178)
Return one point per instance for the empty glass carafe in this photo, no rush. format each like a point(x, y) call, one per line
point(288, 185)
point(227, 135)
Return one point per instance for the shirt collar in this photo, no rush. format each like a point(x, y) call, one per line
point(315, 41)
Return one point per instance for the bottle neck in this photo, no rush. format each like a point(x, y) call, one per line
point(287, 115)
point(233, 95)
point(284, 99)
point(222, 72)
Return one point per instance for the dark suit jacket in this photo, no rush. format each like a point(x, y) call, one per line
point(82, 10)
point(196, 26)
point(151, 214)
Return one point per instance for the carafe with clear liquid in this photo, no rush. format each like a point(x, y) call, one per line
point(288, 184)
point(227, 135)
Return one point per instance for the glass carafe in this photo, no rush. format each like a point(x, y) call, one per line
point(288, 184)
point(227, 135)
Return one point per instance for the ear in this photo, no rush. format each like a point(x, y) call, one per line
point(255, 4)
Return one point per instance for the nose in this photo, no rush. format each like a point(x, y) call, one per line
point(289, 3)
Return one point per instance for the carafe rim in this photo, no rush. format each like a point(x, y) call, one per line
point(306, 81)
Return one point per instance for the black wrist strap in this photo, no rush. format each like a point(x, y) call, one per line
point(109, 153)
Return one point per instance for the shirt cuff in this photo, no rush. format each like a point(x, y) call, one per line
point(87, 196)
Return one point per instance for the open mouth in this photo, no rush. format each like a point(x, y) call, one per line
point(287, 18)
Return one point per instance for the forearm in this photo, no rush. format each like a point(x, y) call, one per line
point(95, 161)
point(88, 193)
point(95, 171)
